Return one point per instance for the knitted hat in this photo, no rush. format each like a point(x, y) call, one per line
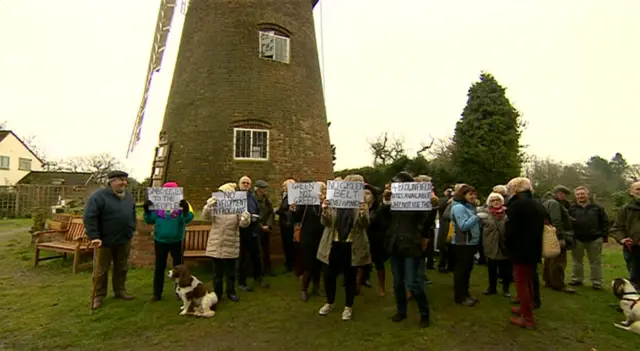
point(561, 188)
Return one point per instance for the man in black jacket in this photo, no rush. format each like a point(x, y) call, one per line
point(589, 227)
point(110, 221)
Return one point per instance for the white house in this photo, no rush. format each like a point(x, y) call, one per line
point(16, 158)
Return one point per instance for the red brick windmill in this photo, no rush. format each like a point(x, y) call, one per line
point(246, 96)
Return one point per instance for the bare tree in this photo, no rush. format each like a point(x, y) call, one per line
point(424, 147)
point(99, 165)
point(634, 173)
point(385, 151)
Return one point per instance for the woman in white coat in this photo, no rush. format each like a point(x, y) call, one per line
point(223, 244)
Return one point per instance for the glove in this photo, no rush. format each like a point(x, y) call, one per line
point(211, 201)
point(185, 206)
point(146, 206)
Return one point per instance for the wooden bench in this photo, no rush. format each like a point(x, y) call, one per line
point(195, 241)
point(71, 240)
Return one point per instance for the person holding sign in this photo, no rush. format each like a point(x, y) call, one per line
point(375, 232)
point(407, 240)
point(309, 234)
point(344, 247)
point(168, 233)
point(223, 244)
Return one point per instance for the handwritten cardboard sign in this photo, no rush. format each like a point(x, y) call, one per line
point(164, 198)
point(303, 193)
point(230, 203)
point(343, 194)
point(414, 196)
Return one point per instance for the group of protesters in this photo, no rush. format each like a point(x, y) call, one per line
point(321, 241)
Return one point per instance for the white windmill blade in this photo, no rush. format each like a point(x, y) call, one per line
point(163, 25)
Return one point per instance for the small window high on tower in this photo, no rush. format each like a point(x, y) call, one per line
point(274, 46)
point(251, 144)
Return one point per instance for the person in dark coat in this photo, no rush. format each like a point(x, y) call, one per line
point(250, 241)
point(285, 220)
point(376, 233)
point(523, 241)
point(408, 236)
point(309, 219)
point(444, 265)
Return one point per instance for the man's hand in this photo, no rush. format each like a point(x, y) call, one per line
point(325, 204)
point(386, 195)
point(292, 207)
point(363, 207)
point(424, 242)
point(265, 228)
point(96, 243)
point(628, 242)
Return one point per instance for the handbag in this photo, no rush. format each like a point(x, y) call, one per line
point(550, 243)
point(297, 228)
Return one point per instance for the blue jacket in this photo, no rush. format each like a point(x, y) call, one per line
point(168, 230)
point(253, 207)
point(465, 222)
point(110, 218)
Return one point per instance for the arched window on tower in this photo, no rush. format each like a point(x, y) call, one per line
point(274, 42)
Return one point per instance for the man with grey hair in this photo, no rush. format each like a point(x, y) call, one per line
point(110, 221)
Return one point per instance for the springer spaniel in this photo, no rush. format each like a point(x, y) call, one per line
point(630, 304)
point(196, 298)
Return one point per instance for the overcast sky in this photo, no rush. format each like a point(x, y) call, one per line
point(72, 72)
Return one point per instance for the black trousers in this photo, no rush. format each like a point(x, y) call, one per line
point(340, 262)
point(265, 248)
point(502, 269)
point(286, 234)
point(464, 255)
point(162, 251)
point(224, 268)
point(249, 252)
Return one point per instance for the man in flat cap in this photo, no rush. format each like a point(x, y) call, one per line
point(558, 210)
point(110, 221)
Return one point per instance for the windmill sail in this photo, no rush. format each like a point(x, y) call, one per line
point(163, 24)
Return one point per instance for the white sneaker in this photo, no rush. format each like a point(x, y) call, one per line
point(347, 313)
point(325, 309)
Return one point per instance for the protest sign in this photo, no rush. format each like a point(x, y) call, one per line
point(164, 198)
point(303, 193)
point(413, 196)
point(343, 194)
point(230, 203)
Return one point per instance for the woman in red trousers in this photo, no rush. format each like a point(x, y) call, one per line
point(523, 241)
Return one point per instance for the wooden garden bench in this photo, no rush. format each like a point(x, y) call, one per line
point(195, 241)
point(71, 240)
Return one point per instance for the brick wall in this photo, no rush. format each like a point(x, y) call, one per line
point(142, 253)
point(220, 83)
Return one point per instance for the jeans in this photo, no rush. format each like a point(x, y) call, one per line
point(594, 255)
point(224, 268)
point(464, 255)
point(249, 251)
point(340, 262)
point(162, 253)
point(408, 272)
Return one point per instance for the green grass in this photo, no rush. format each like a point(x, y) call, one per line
point(8, 224)
point(46, 308)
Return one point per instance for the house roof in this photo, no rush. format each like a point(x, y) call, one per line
point(5, 133)
point(45, 178)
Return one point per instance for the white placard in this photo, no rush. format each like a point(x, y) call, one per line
point(413, 196)
point(343, 194)
point(303, 193)
point(234, 202)
point(164, 198)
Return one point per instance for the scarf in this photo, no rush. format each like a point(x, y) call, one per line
point(498, 213)
point(345, 218)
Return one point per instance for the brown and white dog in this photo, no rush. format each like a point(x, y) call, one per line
point(196, 298)
point(629, 303)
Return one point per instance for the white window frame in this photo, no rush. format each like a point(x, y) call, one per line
point(252, 131)
point(274, 47)
point(2, 166)
point(20, 160)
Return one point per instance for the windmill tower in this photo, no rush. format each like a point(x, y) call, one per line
point(246, 98)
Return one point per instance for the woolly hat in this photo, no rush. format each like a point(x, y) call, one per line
point(227, 188)
point(561, 188)
point(170, 185)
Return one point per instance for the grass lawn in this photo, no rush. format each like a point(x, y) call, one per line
point(47, 308)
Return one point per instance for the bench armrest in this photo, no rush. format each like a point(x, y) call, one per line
point(40, 234)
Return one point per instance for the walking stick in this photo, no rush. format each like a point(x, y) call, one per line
point(94, 277)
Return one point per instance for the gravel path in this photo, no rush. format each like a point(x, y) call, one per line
point(8, 232)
